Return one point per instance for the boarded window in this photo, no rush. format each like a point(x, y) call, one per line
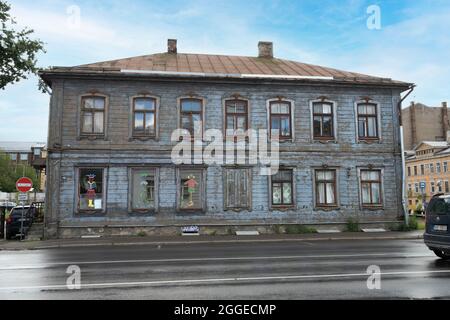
point(367, 121)
point(371, 187)
point(144, 117)
point(323, 120)
point(191, 189)
point(280, 119)
point(238, 188)
point(326, 188)
point(191, 116)
point(91, 189)
point(93, 115)
point(143, 189)
point(282, 188)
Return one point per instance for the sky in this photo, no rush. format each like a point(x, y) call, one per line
point(411, 42)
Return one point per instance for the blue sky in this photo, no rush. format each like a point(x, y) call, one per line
point(413, 43)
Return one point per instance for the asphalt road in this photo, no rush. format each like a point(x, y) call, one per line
point(264, 270)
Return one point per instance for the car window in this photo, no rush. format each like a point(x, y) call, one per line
point(440, 206)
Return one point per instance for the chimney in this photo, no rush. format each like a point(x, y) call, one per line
point(172, 46)
point(265, 49)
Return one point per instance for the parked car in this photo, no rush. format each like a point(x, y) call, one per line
point(14, 221)
point(437, 231)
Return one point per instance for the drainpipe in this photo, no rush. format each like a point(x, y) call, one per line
point(402, 147)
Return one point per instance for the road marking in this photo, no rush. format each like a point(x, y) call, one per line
point(213, 280)
point(81, 263)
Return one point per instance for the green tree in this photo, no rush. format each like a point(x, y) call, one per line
point(11, 172)
point(17, 50)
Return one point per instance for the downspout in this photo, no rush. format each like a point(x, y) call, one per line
point(402, 148)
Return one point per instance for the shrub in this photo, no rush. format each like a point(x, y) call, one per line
point(299, 229)
point(352, 225)
point(142, 234)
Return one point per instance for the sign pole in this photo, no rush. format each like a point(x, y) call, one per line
point(23, 185)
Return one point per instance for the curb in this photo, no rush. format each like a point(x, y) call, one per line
point(165, 242)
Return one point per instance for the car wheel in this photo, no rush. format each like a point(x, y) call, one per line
point(441, 254)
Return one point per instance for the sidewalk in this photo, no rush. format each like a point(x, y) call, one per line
point(158, 240)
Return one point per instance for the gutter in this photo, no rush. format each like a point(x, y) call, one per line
point(402, 148)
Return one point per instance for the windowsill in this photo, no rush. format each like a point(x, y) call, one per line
point(90, 213)
point(141, 213)
point(369, 140)
point(237, 209)
point(326, 208)
point(324, 140)
point(282, 207)
point(92, 137)
point(142, 138)
point(373, 207)
point(190, 211)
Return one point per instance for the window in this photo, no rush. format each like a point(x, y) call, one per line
point(143, 190)
point(416, 187)
point(431, 168)
point(439, 185)
point(282, 188)
point(409, 171)
point(144, 117)
point(326, 188)
point(93, 115)
point(371, 187)
point(422, 169)
point(280, 119)
point(191, 116)
point(438, 167)
point(415, 170)
point(367, 121)
point(236, 115)
point(91, 193)
point(445, 166)
point(447, 190)
point(409, 187)
point(323, 126)
point(432, 187)
point(37, 152)
point(237, 188)
point(191, 189)
point(23, 156)
point(13, 156)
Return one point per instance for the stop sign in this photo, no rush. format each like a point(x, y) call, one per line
point(24, 184)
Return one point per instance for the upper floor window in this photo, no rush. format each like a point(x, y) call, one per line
point(409, 171)
point(445, 166)
point(13, 156)
point(144, 117)
point(422, 169)
point(236, 115)
point(438, 167)
point(191, 116)
point(367, 121)
point(431, 168)
point(323, 120)
point(23, 156)
point(415, 170)
point(93, 115)
point(280, 119)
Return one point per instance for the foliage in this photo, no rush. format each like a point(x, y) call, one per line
point(10, 173)
point(299, 229)
point(413, 224)
point(17, 50)
point(352, 225)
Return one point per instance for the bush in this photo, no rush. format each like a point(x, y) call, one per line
point(299, 229)
point(413, 224)
point(142, 234)
point(277, 229)
point(352, 225)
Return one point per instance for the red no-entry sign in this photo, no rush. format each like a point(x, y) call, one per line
point(24, 184)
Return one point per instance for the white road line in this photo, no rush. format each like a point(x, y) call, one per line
point(81, 263)
point(237, 279)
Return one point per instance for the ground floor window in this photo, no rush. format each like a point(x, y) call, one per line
point(91, 189)
point(326, 188)
point(237, 188)
point(282, 188)
point(143, 189)
point(191, 189)
point(371, 187)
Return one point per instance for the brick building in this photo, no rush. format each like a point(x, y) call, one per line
point(110, 168)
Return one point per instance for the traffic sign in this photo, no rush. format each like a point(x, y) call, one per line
point(422, 185)
point(23, 197)
point(24, 184)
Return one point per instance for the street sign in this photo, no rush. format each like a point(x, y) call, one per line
point(24, 184)
point(422, 185)
point(23, 197)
